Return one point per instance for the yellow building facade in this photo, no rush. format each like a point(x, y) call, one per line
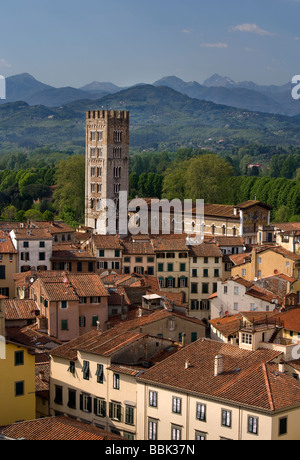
point(17, 385)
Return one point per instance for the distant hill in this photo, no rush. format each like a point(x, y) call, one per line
point(160, 118)
point(97, 86)
point(217, 89)
point(247, 95)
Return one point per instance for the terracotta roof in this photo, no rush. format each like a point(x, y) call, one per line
point(240, 259)
point(206, 250)
point(170, 243)
point(59, 428)
point(67, 251)
point(30, 337)
point(228, 325)
point(54, 227)
point(32, 234)
point(220, 210)
point(101, 343)
point(42, 377)
point(107, 242)
point(72, 286)
point(20, 309)
point(6, 246)
point(287, 226)
point(229, 241)
point(291, 319)
point(248, 377)
point(250, 203)
point(137, 247)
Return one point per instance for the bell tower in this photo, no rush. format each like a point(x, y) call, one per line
point(106, 165)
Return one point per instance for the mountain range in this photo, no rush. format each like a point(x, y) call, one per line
point(220, 90)
point(160, 117)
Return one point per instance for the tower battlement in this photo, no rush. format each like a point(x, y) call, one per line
point(107, 114)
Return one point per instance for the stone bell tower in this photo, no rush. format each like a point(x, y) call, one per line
point(106, 165)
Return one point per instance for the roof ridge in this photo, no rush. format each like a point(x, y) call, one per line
point(268, 386)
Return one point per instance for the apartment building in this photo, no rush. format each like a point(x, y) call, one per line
point(34, 246)
point(72, 258)
point(215, 391)
point(237, 294)
point(172, 258)
point(206, 268)
point(139, 257)
point(93, 378)
point(70, 304)
point(266, 261)
point(108, 252)
point(8, 265)
point(17, 384)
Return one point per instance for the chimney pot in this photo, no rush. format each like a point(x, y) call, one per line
point(218, 365)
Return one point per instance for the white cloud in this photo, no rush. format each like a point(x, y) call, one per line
point(186, 31)
point(4, 63)
point(214, 45)
point(252, 28)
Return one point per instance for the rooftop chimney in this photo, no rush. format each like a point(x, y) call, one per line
point(218, 365)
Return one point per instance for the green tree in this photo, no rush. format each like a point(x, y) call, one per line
point(70, 186)
point(9, 213)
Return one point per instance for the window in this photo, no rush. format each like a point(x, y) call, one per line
point(26, 244)
point(225, 289)
point(176, 433)
point(71, 368)
point(117, 253)
point(216, 273)
point(252, 425)
point(19, 388)
point(236, 306)
point(194, 273)
point(42, 256)
point(58, 399)
point(247, 338)
point(226, 418)
point(160, 267)
point(81, 321)
point(116, 381)
point(182, 267)
point(193, 337)
point(42, 244)
point(2, 272)
point(100, 135)
point(194, 288)
point(72, 399)
point(252, 306)
point(282, 425)
point(236, 290)
point(64, 324)
point(204, 288)
point(129, 415)
point(19, 358)
point(153, 398)
point(205, 260)
point(201, 412)
point(170, 267)
point(64, 304)
point(100, 407)
point(94, 320)
point(170, 282)
point(244, 272)
point(176, 405)
point(115, 411)
point(79, 266)
point(86, 370)
point(99, 373)
point(85, 403)
point(152, 430)
point(205, 273)
point(200, 436)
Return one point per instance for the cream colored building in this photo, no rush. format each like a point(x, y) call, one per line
point(93, 378)
point(209, 391)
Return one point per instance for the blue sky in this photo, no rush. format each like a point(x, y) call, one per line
point(74, 42)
